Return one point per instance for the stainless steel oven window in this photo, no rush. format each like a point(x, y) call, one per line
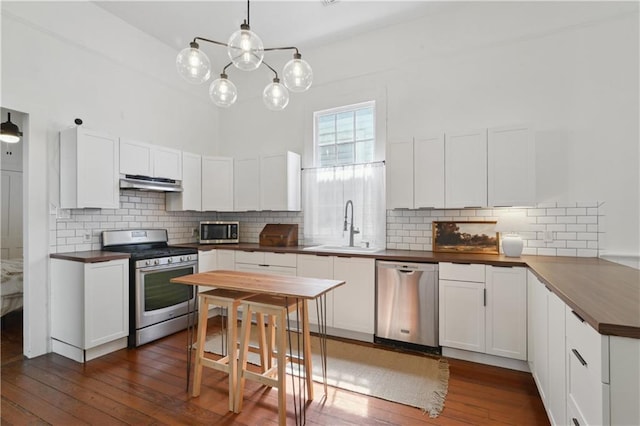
point(169, 300)
point(159, 293)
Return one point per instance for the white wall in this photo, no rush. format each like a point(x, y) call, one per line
point(568, 68)
point(62, 60)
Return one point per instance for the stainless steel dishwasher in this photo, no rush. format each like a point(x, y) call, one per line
point(407, 303)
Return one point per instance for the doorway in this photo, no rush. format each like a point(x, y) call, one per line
point(11, 247)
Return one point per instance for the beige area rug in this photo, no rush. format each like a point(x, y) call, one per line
point(414, 380)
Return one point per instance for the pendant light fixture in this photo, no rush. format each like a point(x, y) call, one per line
point(9, 132)
point(246, 52)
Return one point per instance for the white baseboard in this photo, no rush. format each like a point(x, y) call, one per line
point(497, 361)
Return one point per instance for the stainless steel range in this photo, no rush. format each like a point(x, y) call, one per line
point(157, 307)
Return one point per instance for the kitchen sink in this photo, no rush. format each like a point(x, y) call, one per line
point(343, 249)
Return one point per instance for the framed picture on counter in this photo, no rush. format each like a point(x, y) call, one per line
point(465, 237)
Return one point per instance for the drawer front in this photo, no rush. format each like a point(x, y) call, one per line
point(584, 389)
point(280, 259)
point(253, 257)
point(574, 416)
point(461, 272)
point(585, 342)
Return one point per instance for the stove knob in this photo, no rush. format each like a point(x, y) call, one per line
point(182, 258)
point(156, 262)
point(170, 260)
point(147, 263)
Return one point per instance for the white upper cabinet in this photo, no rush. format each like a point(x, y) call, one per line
point(140, 158)
point(399, 173)
point(191, 196)
point(246, 184)
point(88, 169)
point(167, 163)
point(428, 176)
point(466, 169)
point(280, 182)
point(511, 166)
point(415, 173)
point(270, 182)
point(135, 158)
point(217, 183)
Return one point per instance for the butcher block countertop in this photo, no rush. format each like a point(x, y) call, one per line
point(605, 294)
point(90, 256)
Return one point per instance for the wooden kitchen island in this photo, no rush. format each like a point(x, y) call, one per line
point(300, 289)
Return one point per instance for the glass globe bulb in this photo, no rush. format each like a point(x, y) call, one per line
point(223, 92)
point(245, 49)
point(297, 74)
point(193, 65)
point(275, 96)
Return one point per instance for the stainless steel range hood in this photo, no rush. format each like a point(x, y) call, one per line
point(146, 183)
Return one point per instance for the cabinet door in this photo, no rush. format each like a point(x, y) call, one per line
point(462, 319)
point(540, 317)
point(207, 260)
point(354, 302)
point(313, 266)
point(399, 174)
point(226, 259)
point(97, 170)
point(280, 182)
point(135, 158)
point(245, 184)
point(217, 184)
point(191, 196)
point(506, 313)
point(167, 163)
point(428, 172)
point(466, 169)
point(511, 166)
point(556, 391)
point(106, 302)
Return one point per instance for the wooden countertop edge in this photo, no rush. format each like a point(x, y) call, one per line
point(90, 256)
point(603, 327)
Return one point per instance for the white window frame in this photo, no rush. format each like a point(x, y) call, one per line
point(346, 108)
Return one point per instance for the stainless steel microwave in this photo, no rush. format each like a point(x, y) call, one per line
point(219, 232)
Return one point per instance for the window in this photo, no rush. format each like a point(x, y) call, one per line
point(345, 135)
point(344, 169)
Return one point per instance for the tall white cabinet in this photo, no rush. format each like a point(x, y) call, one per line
point(89, 164)
point(217, 183)
point(191, 196)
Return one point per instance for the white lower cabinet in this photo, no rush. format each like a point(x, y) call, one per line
point(583, 377)
point(266, 262)
point(89, 307)
point(547, 341)
point(350, 308)
point(483, 309)
point(587, 371)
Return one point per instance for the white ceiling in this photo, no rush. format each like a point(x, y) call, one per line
point(301, 23)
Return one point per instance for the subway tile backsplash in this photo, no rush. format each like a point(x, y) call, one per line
point(575, 228)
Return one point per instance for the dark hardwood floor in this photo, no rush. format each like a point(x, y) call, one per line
point(147, 386)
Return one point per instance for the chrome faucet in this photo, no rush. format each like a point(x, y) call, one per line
point(352, 230)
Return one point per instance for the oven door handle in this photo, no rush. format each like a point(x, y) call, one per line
point(168, 267)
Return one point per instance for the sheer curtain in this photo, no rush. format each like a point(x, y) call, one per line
point(326, 192)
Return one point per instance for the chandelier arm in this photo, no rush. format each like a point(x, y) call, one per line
point(224, 70)
point(282, 48)
point(271, 68)
point(211, 41)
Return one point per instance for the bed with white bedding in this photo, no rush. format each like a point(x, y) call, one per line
point(11, 285)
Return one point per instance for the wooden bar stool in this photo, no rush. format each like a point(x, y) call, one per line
point(229, 299)
point(275, 308)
